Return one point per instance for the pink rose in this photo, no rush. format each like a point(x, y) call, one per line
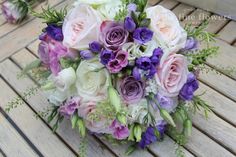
point(81, 26)
point(98, 126)
point(172, 75)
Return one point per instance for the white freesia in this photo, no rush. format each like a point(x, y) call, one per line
point(81, 26)
point(139, 113)
point(136, 50)
point(167, 29)
point(92, 80)
point(108, 10)
point(63, 84)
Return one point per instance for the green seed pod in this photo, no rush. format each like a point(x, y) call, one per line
point(187, 127)
point(81, 127)
point(167, 117)
point(138, 132)
point(114, 98)
point(131, 135)
point(121, 118)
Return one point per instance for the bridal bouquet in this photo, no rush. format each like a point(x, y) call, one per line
point(122, 70)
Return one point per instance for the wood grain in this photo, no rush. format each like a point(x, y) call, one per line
point(9, 137)
point(153, 2)
point(169, 4)
point(228, 33)
point(182, 10)
point(39, 102)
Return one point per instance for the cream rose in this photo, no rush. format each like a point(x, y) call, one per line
point(81, 26)
point(92, 80)
point(172, 75)
point(167, 29)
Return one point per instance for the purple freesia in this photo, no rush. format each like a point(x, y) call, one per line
point(142, 35)
point(149, 135)
point(95, 47)
point(106, 56)
point(130, 25)
point(156, 57)
point(55, 32)
point(113, 35)
point(119, 62)
point(131, 90)
point(69, 107)
point(186, 93)
point(144, 63)
point(136, 73)
point(119, 131)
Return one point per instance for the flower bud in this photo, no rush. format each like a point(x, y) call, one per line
point(81, 127)
point(74, 120)
point(129, 24)
point(167, 117)
point(95, 47)
point(48, 86)
point(187, 127)
point(114, 98)
point(86, 54)
point(121, 118)
point(138, 132)
point(131, 134)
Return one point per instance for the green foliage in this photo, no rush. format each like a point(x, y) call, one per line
point(20, 100)
point(23, 8)
point(51, 15)
point(131, 149)
point(44, 113)
point(67, 62)
point(200, 33)
point(29, 67)
point(179, 151)
point(122, 13)
point(83, 146)
point(198, 105)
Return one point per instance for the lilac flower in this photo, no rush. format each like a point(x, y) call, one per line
point(95, 47)
point(120, 131)
point(142, 35)
point(149, 136)
point(129, 24)
point(136, 73)
point(106, 56)
point(144, 63)
point(169, 104)
point(119, 62)
point(152, 72)
point(86, 54)
point(55, 32)
point(43, 50)
point(131, 7)
point(131, 90)
point(191, 44)
point(187, 91)
point(113, 35)
point(69, 107)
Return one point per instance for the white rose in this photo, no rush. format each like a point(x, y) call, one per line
point(92, 80)
point(81, 26)
point(167, 29)
point(109, 9)
point(137, 50)
point(63, 84)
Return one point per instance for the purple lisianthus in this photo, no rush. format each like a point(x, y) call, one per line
point(142, 35)
point(191, 44)
point(95, 47)
point(187, 91)
point(43, 50)
point(130, 25)
point(113, 35)
point(156, 57)
point(131, 7)
point(106, 56)
point(136, 73)
point(131, 90)
point(119, 62)
point(86, 54)
point(69, 107)
point(149, 136)
point(119, 131)
point(144, 63)
point(55, 32)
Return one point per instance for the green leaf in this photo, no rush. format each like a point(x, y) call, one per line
point(32, 65)
point(74, 120)
point(167, 117)
point(145, 22)
point(130, 150)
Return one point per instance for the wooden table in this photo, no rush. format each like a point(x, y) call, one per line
point(22, 135)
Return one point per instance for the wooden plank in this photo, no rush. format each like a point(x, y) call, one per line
point(33, 47)
point(21, 37)
point(182, 10)
point(36, 131)
point(153, 2)
point(216, 22)
point(223, 106)
point(169, 4)
point(226, 7)
point(4, 29)
point(228, 33)
point(218, 129)
point(203, 146)
point(38, 102)
point(2, 20)
point(11, 142)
